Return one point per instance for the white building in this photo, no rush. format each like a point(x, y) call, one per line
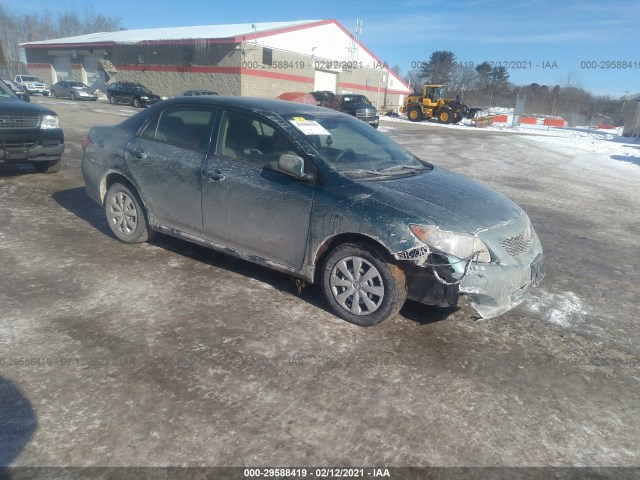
point(261, 59)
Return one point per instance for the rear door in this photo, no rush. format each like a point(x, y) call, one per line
point(166, 159)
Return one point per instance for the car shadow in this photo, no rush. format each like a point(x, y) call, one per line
point(426, 314)
point(16, 169)
point(76, 201)
point(280, 281)
point(18, 423)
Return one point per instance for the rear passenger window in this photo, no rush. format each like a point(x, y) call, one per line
point(185, 127)
point(149, 130)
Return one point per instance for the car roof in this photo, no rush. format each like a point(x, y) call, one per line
point(281, 107)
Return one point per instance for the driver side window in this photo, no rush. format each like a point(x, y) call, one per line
point(248, 139)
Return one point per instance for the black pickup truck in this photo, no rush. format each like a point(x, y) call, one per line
point(29, 133)
point(359, 106)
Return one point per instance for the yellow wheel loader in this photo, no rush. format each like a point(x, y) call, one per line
point(433, 104)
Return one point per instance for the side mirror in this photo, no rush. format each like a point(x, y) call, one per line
point(291, 165)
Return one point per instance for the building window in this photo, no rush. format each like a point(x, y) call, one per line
point(267, 56)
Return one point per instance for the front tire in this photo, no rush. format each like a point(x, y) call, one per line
point(72, 96)
point(445, 115)
point(112, 100)
point(136, 103)
point(361, 286)
point(126, 215)
point(414, 114)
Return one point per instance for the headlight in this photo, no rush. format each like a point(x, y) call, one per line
point(462, 245)
point(144, 98)
point(49, 121)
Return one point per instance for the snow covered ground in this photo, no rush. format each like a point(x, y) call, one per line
point(625, 151)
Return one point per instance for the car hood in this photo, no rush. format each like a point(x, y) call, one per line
point(15, 106)
point(445, 199)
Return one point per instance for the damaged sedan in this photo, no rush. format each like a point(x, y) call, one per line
point(317, 194)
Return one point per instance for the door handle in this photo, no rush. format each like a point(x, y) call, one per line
point(215, 175)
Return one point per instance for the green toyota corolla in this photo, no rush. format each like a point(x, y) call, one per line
point(317, 194)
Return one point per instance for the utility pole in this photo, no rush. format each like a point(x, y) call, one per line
point(593, 114)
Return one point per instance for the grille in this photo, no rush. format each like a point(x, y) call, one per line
point(518, 244)
point(19, 121)
point(365, 112)
point(17, 144)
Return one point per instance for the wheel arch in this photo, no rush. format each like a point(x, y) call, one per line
point(331, 243)
point(112, 177)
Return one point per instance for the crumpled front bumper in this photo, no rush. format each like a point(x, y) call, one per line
point(517, 263)
point(490, 289)
point(495, 289)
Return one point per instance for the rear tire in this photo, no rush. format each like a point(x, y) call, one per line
point(50, 166)
point(125, 214)
point(361, 286)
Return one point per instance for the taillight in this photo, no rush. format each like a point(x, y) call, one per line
point(85, 143)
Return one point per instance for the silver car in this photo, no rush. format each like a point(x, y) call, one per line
point(317, 194)
point(72, 90)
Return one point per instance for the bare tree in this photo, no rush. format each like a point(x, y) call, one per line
point(69, 24)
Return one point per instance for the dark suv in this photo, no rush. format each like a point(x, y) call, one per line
point(131, 94)
point(29, 133)
point(359, 106)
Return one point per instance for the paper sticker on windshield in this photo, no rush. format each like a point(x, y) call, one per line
point(308, 127)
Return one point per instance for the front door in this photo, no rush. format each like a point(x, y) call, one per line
point(246, 203)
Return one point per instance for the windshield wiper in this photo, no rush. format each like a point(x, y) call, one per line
point(402, 167)
point(362, 171)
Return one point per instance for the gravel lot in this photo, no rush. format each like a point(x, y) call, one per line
point(169, 354)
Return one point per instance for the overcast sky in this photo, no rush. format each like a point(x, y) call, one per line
point(540, 41)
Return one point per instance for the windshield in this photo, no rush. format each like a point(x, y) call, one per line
point(353, 147)
point(29, 79)
point(141, 89)
point(6, 93)
point(77, 84)
point(435, 92)
point(356, 99)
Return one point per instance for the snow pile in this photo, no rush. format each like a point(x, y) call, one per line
point(561, 309)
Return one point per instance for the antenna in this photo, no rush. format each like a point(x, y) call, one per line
point(353, 46)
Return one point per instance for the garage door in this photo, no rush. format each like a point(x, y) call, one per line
point(62, 66)
point(325, 81)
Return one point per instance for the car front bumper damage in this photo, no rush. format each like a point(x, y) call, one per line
point(488, 289)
